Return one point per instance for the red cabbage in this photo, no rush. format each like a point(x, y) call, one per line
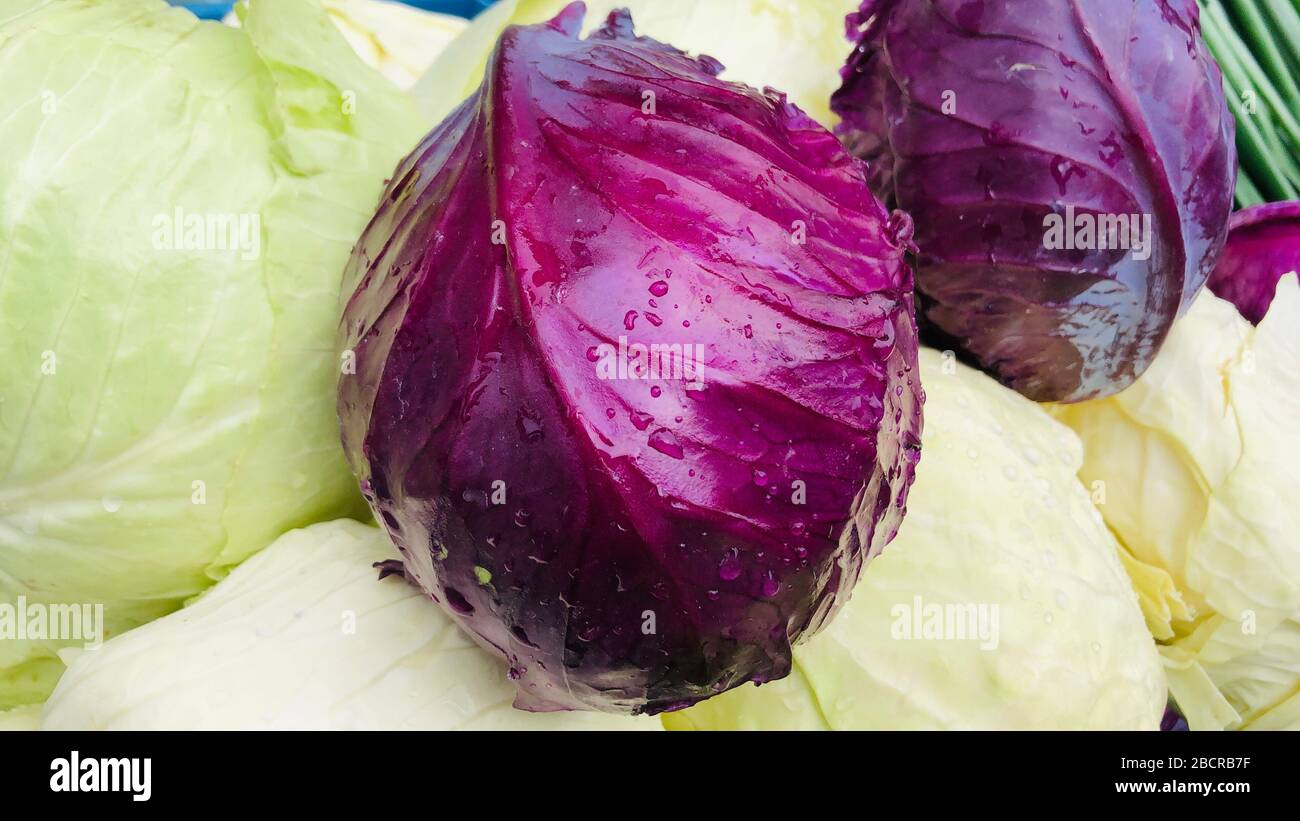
point(985, 120)
point(631, 544)
point(1263, 246)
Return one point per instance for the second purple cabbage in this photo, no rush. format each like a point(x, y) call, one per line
point(991, 121)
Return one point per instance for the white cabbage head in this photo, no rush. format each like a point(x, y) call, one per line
point(1200, 464)
point(303, 636)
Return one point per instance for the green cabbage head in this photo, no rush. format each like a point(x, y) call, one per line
point(177, 201)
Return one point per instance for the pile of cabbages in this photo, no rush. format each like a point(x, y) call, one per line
point(934, 387)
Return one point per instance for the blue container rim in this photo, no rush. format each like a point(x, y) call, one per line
point(461, 8)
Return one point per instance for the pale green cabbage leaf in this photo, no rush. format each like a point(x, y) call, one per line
point(397, 40)
point(997, 520)
point(166, 413)
point(303, 636)
point(27, 717)
point(794, 46)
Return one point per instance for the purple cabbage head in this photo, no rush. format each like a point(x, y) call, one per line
point(1070, 168)
point(1263, 246)
point(635, 389)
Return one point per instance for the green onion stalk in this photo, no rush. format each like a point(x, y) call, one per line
point(1257, 44)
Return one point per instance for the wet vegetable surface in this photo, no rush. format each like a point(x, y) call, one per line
point(993, 123)
point(631, 540)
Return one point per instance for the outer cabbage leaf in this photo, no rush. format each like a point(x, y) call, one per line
point(997, 519)
point(988, 121)
point(794, 45)
point(1199, 460)
point(397, 40)
point(631, 543)
point(27, 717)
point(301, 636)
point(1263, 246)
point(164, 412)
point(1223, 677)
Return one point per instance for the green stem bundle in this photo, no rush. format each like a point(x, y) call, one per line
point(1257, 44)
